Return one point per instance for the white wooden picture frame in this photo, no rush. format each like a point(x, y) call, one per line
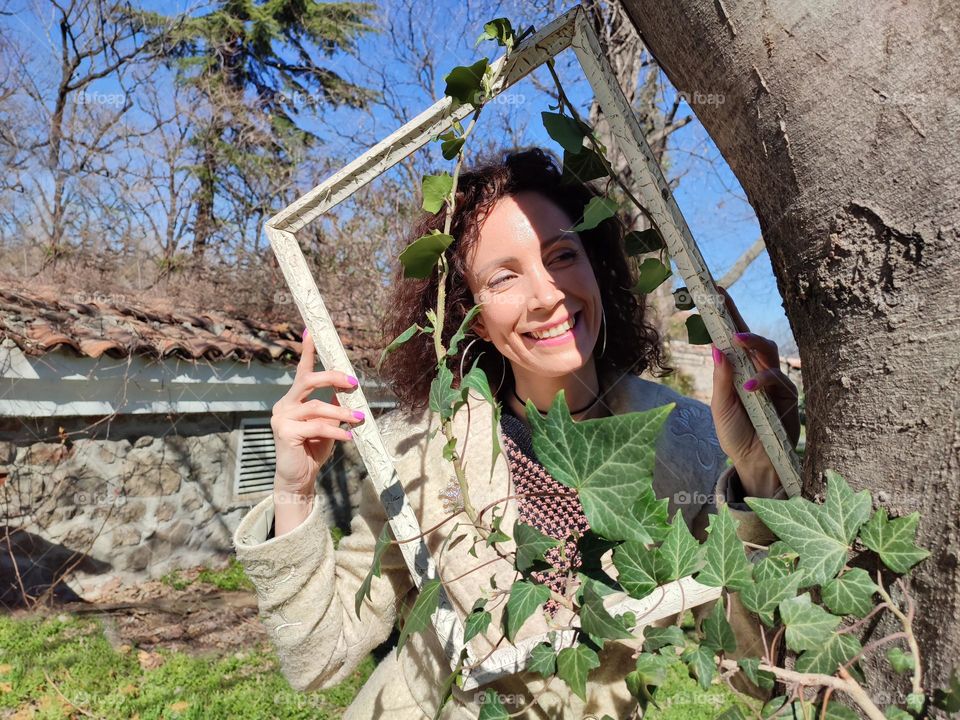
point(573, 30)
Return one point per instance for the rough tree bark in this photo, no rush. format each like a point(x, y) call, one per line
point(841, 122)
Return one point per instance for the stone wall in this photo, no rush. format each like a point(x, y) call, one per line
point(134, 497)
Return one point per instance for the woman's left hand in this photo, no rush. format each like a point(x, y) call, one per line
point(736, 433)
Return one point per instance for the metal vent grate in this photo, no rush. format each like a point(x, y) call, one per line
point(256, 458)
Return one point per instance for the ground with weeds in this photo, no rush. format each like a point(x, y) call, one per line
point(191, 646)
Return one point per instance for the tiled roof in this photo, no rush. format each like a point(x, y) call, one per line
point(42, 319)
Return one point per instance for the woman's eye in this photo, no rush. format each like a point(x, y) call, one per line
point(567, 255)
point(497, 281)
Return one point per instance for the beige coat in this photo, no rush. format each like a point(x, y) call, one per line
point(306, 588)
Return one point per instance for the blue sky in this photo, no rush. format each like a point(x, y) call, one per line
point(709, 195)
point(713, 203)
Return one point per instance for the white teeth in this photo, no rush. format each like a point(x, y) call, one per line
point(558, 330)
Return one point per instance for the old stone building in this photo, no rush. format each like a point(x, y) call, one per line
point(134, 435)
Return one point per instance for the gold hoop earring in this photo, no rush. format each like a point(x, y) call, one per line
point(603, 323)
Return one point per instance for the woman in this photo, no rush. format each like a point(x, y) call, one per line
point(557, 314)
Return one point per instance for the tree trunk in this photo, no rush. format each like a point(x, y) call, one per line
point(203, 221)
point(841, 123)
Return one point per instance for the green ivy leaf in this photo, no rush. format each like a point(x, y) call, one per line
point(697, 333)
point(476, 624)
point(850, 594)
point(900, 661)
point(573, 666)
point(640, 242)
point(492, 708)
point(836, 711)
point(763, 679)
point(915, 702)
point(650, 673)
point(418, 620)
point(773, 568)
point(773, 706)
point(843, 511)
point(420, 257)
point(582, 167)
point(565, 131)
point(701, 665)
point(446, 688)
point(531, 545)
point(949, 699)
point(449, 448)
point(651, 518)
point(725, 562)
point(465, 84)
point(525, 598)
point(451, 147)
point(609, 461)
point(500, 30)
point(895, 713)
point(435, 191)
point(679, 554)
point(635, 568)
point(461, 332)
point(651, 275)
point(796, 522)
point(542, 660)
point(383, 542)
point(397, 342)
point(808, 625)
point(894, 540)
point(718, 634)
point(764, 597)
point(594, 618)
point(597, 210)
point(497, 535)
point(655, 638)
point(443, 396)
point(828, 655)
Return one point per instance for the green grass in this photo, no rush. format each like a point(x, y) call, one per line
point(230, 577)
point(681, 698)
point(73, 654)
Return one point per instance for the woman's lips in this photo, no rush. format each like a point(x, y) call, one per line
point(559, 339)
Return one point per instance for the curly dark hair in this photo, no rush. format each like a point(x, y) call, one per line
point(633, 345)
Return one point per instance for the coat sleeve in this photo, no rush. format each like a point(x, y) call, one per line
point(306, 589)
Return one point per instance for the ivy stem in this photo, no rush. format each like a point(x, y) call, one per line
point(440, 350)
point(845, 683)
point(862, 621)
point(906, 619)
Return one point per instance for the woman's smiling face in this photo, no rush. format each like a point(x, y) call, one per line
point(530, 274)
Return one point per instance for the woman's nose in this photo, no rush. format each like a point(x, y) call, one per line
point(543, 290)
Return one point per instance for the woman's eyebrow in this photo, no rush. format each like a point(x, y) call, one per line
point(546, 244)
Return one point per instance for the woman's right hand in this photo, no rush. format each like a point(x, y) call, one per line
point(304, 430)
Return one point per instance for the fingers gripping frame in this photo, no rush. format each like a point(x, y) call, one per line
point(569, 30)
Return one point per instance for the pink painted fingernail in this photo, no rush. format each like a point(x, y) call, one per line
point(303, 335)
point(742, 336)
point(349, 434)
point(352, 380)
point(750, 384)
point(717, 355)
point(358, 415)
